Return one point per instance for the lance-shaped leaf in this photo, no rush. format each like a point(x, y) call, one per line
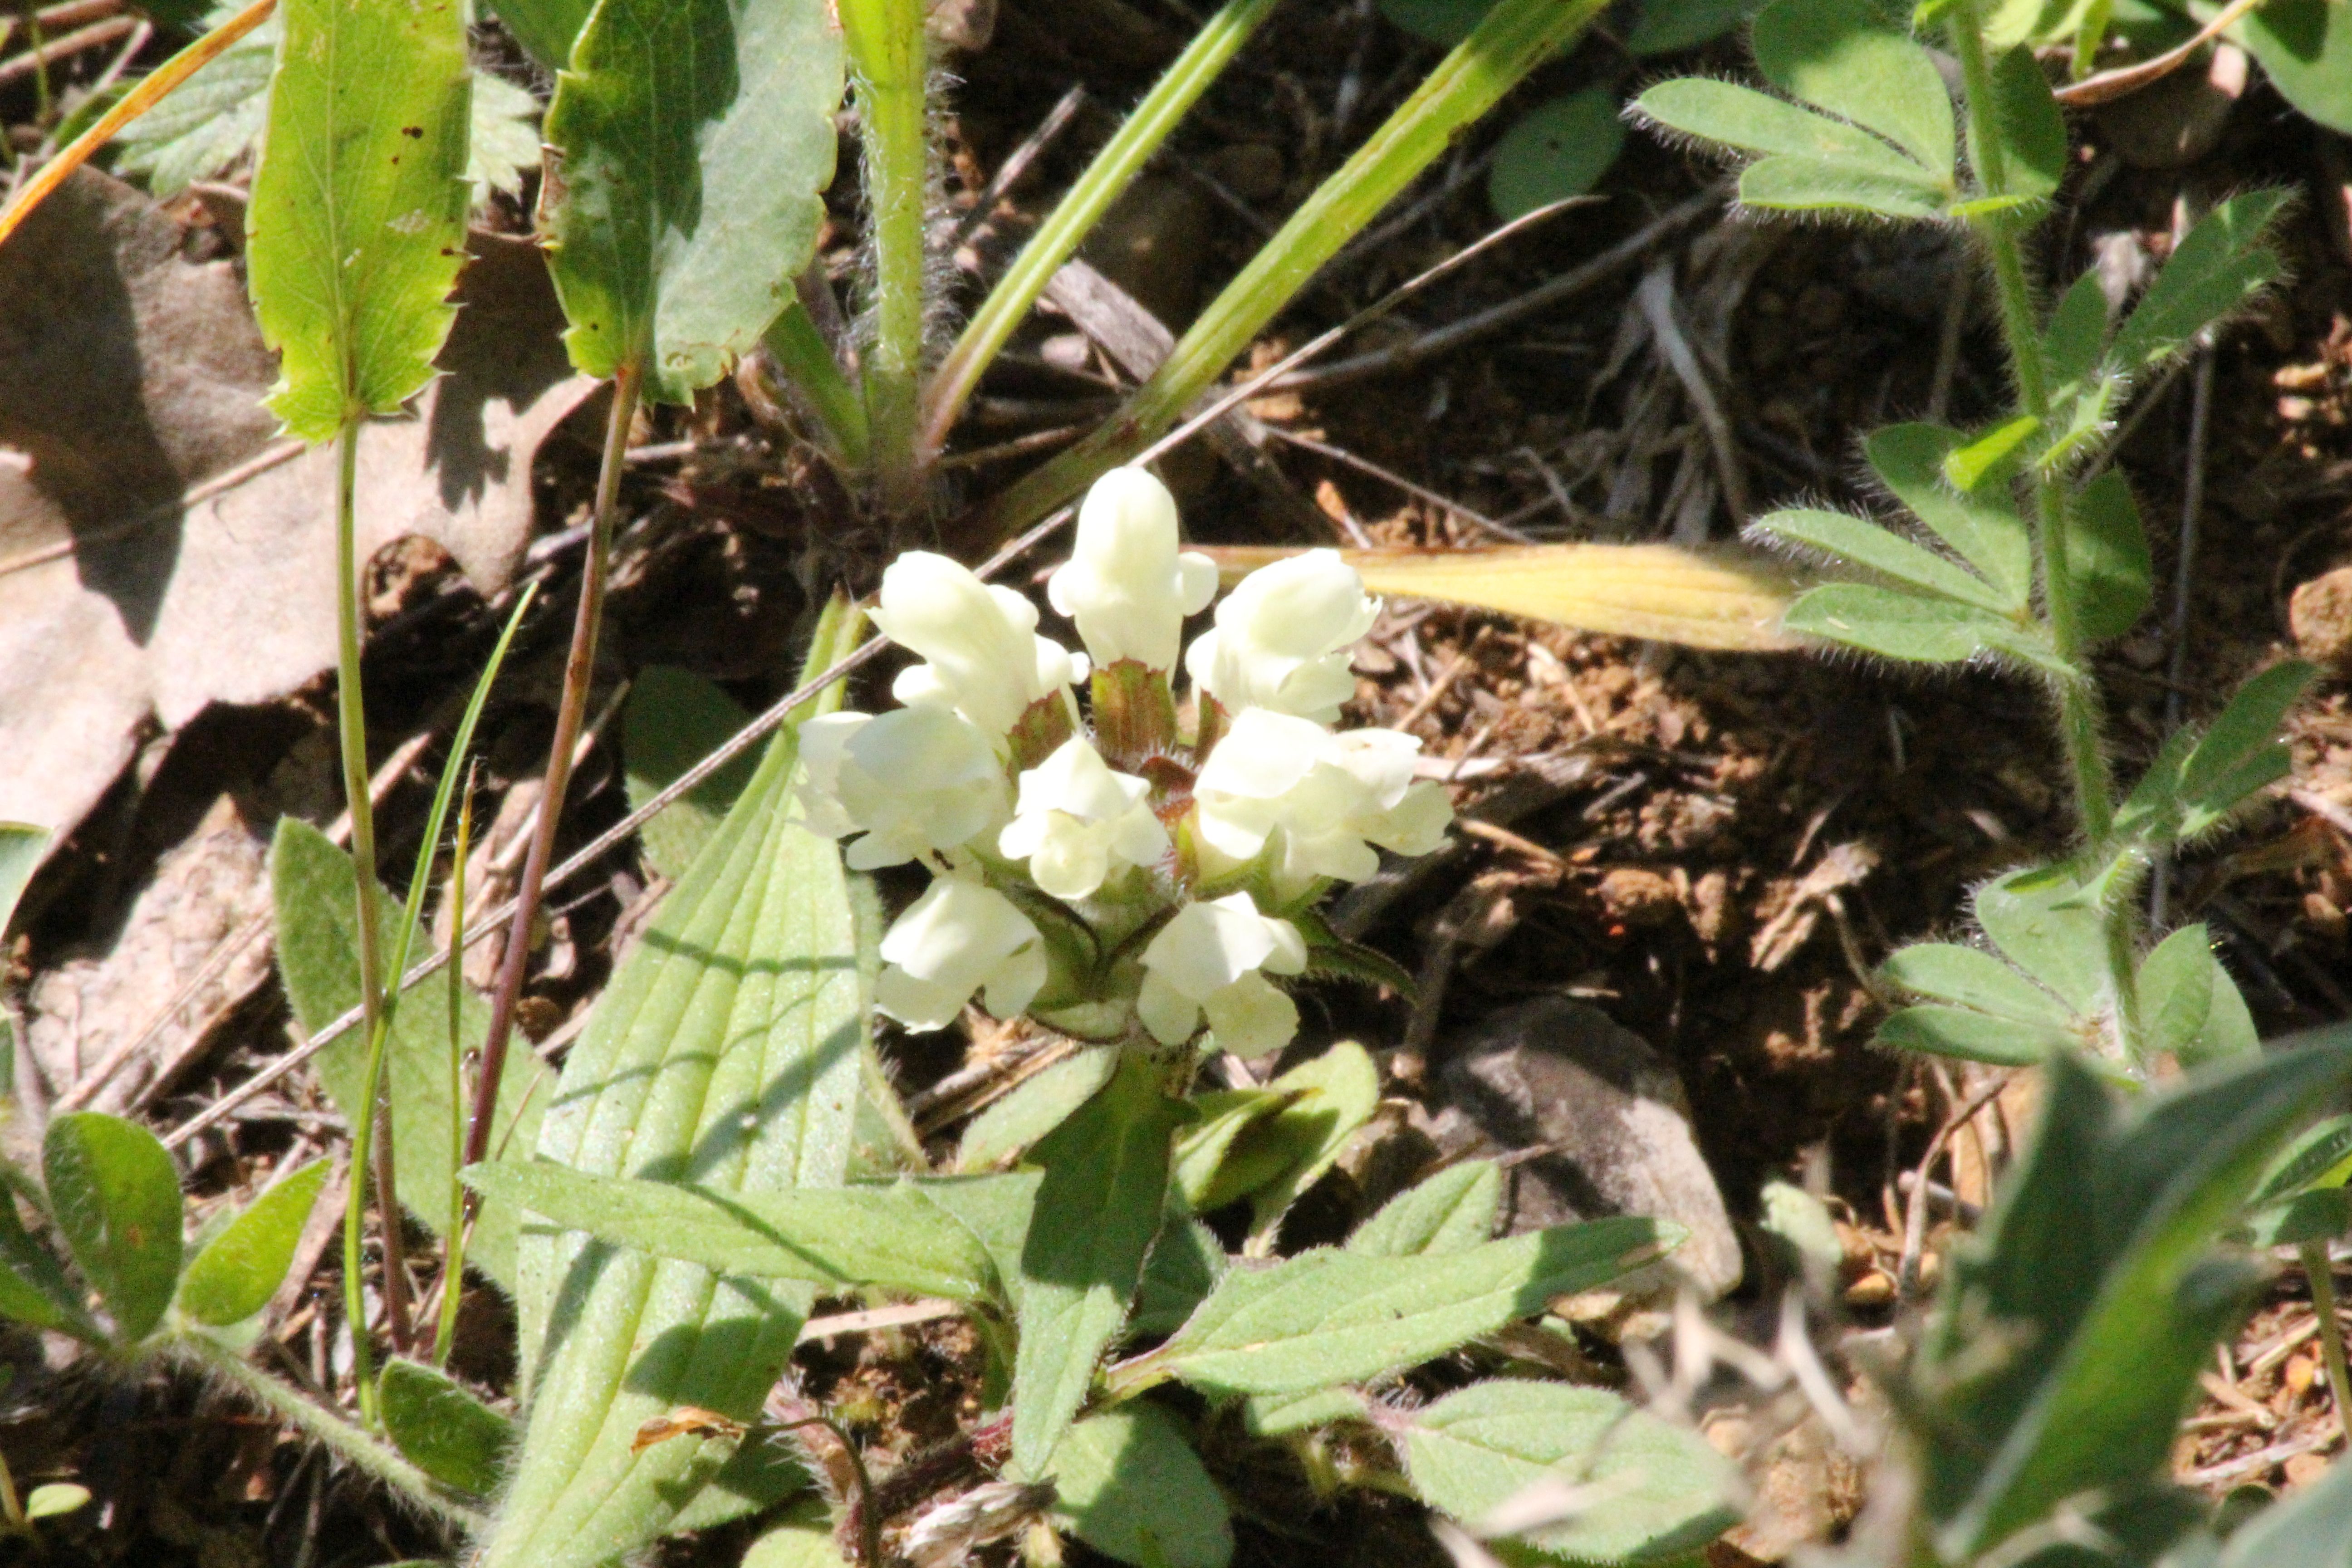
point(240, 1269)
point(1862, 544)
point(446, 1432)
point(2216, 269)
point(1129, 1486)
point(356, 228)
point(688, 143)
point(1328, 1317)
point(1449, 1212)
point(116, 1199)
point(2110, 573)
point(545, 28)
point(1983, 526)
point(724, 1053)
point(843, 1238)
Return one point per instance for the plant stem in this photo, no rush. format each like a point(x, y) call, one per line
point(452, 1239)
point(885, 51)
point(2320, 1270)
point(323, 1425)
point(371, 1136)
point(578, 669)
point(805, 359)
point(1074, 217)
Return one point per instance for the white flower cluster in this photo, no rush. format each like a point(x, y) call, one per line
point(1118, 876)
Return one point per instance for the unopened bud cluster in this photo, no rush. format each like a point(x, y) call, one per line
point(1104, 872)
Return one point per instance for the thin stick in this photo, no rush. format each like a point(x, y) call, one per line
point(453, 1240)
point(579, 668)
point(2108, 86)
point(65, 47)
point(2184, 582)
point(1016, 164)
point(2319, 1270)
point(136, 103)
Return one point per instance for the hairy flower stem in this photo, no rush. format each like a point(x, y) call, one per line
point(886, 49)
point(347, 1442)
point(371, 1136)
point(2080, 721)
point(578, 669)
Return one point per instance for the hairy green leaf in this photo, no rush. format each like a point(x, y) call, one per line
point(314, 896)
point(2032, 127)
point(1809, 160)
point(1860, 542)
point(1010, 1126)
point(1271, 1415)
point(1186, 1262)
point(1840, 55)
point(2322, 1156)
point(690, 142)
point(2041, 926)
point(2306, 49)
point(545, 28)
point(1993, 454)
point(2216, 269)
point(445, 1431)
point(1984, 526)
point(673, 720)
point(115, 1198)
point(1966, 977)
point(1205, 1174)
point(1331, 1095)
point(1098, 1208)
point(1451, 1211)
point(2244, 751)
point(841, 1238)
point(802, 1538)
point(239, 1272)
point(2176, 992)
point(33, 1289)
point(2076, 338)
point(2107, 555)
point(1668, 25)
point(1131, 1487)
point(1327, 1317)
point(1913, 628)
point(356, 226)
point(1971, 1035)
point(1657, 1491)
point(21, 848)
point(724, 1053)
point(1556, 150)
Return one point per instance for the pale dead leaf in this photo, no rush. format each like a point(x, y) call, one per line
point(160, 549)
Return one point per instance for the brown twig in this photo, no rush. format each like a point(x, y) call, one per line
point(1915, 1216)
point(2110, 85)
point(1017, 164)
point(66, 47)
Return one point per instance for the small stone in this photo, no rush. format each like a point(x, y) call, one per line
point(1611, 1114)
point(1636, 896)
point(2320, 615)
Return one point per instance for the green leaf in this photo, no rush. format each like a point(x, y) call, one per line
point(1945, 972)
point(725, 1052)
point(239, 1272)
point(2306, 49)
point(1862, 544)
point(1272, 1414)
point(1993, 454)
point(1668, 25)
point(1556, 150)
point(2032, 127)
point(1913, 628)
point(115, 1197)
point(1657, 1490)
point(1809, 185)
point(356, 226)
point(2035, 920)
point(1757, 123)
point(1131, 1487)
point(445, 1431)
point(803, 1538)
point(1802, 1223)
point(1840, 55)
point(673, 720)
point(1185, 1265)
point(2322, 1156)
point(545, 28)
point(2176, 992)
point(840, 1238)
point(1327, 1317)
point(2012, 22)
point(53, 1499)
point(2076, 338)
point(690, 142)
point(1330, 1097)
point(1451, 1211)
point(33, 1289)
point(2217, 268)
point(2107, 558)
point(1973, 1036)
point(2244, 751)
point(996, 1209)
point(2320, 1216)
point(21, 848)
point(1984, 527)
point(1010, 1126)
point(2068, 1340)
point(1203, 1173)
point(313, 892)
point(2309, 1528)
point(1097, 1210)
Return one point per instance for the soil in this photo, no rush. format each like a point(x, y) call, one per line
point(1741, 838)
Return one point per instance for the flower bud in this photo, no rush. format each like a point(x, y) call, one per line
point(1126, 585)
point(1077, 818)
point(1212, 960)
point(1283, 637)
point(960, 937)
point(984, 657)
point(913, 780)
point(1331, 796)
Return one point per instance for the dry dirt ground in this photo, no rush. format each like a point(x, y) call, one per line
point(1713, 848)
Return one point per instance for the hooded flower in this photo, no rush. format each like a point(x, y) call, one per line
point(1332, 796)
point(1282, 638)
point(960, 937)
point(1076, 818)
point(911, 781)
point(1212, 960)
point(1126, 585)
point(984, 657)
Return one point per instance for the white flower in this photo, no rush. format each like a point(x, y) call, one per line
point(1333, 797)
point(1076, 817)
point(986, 659)
point(912, 780)
point(960, 937)
point(1213, 959)
point(1126, 585)
point(1283, 637)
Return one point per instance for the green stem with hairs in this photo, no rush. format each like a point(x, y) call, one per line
point(1074, 217)
point(887, 60)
